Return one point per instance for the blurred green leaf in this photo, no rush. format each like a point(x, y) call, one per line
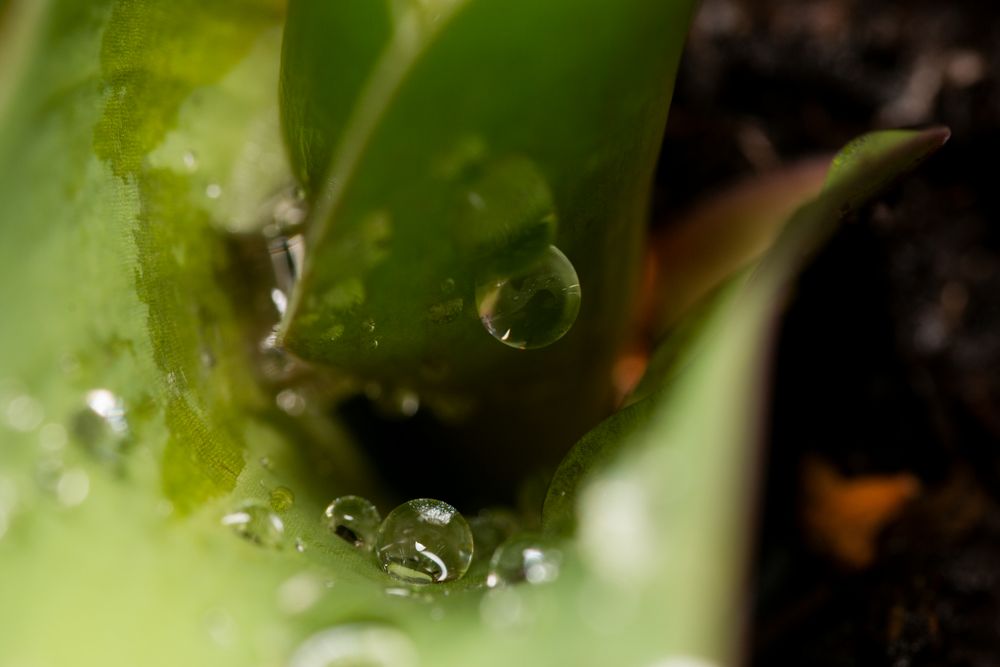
point(679, 492)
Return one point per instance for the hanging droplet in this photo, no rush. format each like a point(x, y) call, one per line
point(282, 498)
point(354, 519)
point(366, 645)
point(101, 427)
point(490, 529)
point(257, 523)
point(533, 308)
point(424, 541)
point(526, 557)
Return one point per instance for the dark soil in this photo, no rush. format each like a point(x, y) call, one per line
point(889, 359)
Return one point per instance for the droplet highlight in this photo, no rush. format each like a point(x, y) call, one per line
point(424, 541)
point(353, 519)
point(256, 523)
point(356, 645)
point(533, 308)
point(524, 558)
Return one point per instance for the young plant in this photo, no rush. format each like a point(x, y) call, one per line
point(443, 148)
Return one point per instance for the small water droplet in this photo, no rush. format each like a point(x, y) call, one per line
point(529, 558)
point(299, 593)
point(266, 463)
point(291, 402)
point(287, 255)
point(24, 413)
point(300, 545)
point(257, 523)
point(504, 609)
point(448, 286)
point(490, 529)
point(424, 541)
point(52, 437)
point(282, 498)
point(369, 325)
point(73, 487)
point(353, 519)
point(533, 308)
point(221, 627)
point(101, 427)
point(369, 645)
point(190, 160)
point(279, 300)
point(446, 311)
point(213, 191)
point(372, 344)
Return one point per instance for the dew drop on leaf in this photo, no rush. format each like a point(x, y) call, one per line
point(354, 645)
point(533, 308)
point(101, 427)
point(282, 498)
point(490, 529)
point(256, 523)
point(353, 519)
point(424, 541)
point(524, 558)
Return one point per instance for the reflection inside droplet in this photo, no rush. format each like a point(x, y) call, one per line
point(533, 308)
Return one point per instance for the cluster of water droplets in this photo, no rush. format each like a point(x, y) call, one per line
point(422, 541)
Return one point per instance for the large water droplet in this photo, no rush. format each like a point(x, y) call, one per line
point(424, 541)
point(257, 523)
point(354, 519)
point(533, 308)
point(359, 645)
point(529, 558)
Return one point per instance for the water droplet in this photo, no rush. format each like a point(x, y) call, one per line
point(73, 487)
point(257, 523)
point(615, 533)
point(446, 311)
point(282, 498)
point(190, 159)
point(299, 593)
point(448, 286)
point(504, 609)
point(291, 402)
point(424, 541)
point(369, 325)
point(213, 191)
point(393, 404)
point(533, 308)
point(279, 300)
point(490, 529)
point(24, 413)
point(221, 627)
point(289, 211)
point(300, 545)
point(52, 437)
point(266, 463)
point(369, 645)
point(287, 256)
point(529, 558)
point(353, 519)
point(101, 427)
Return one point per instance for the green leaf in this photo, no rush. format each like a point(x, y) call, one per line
point(679, 492)
point(118, 274)
point(482, 132)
